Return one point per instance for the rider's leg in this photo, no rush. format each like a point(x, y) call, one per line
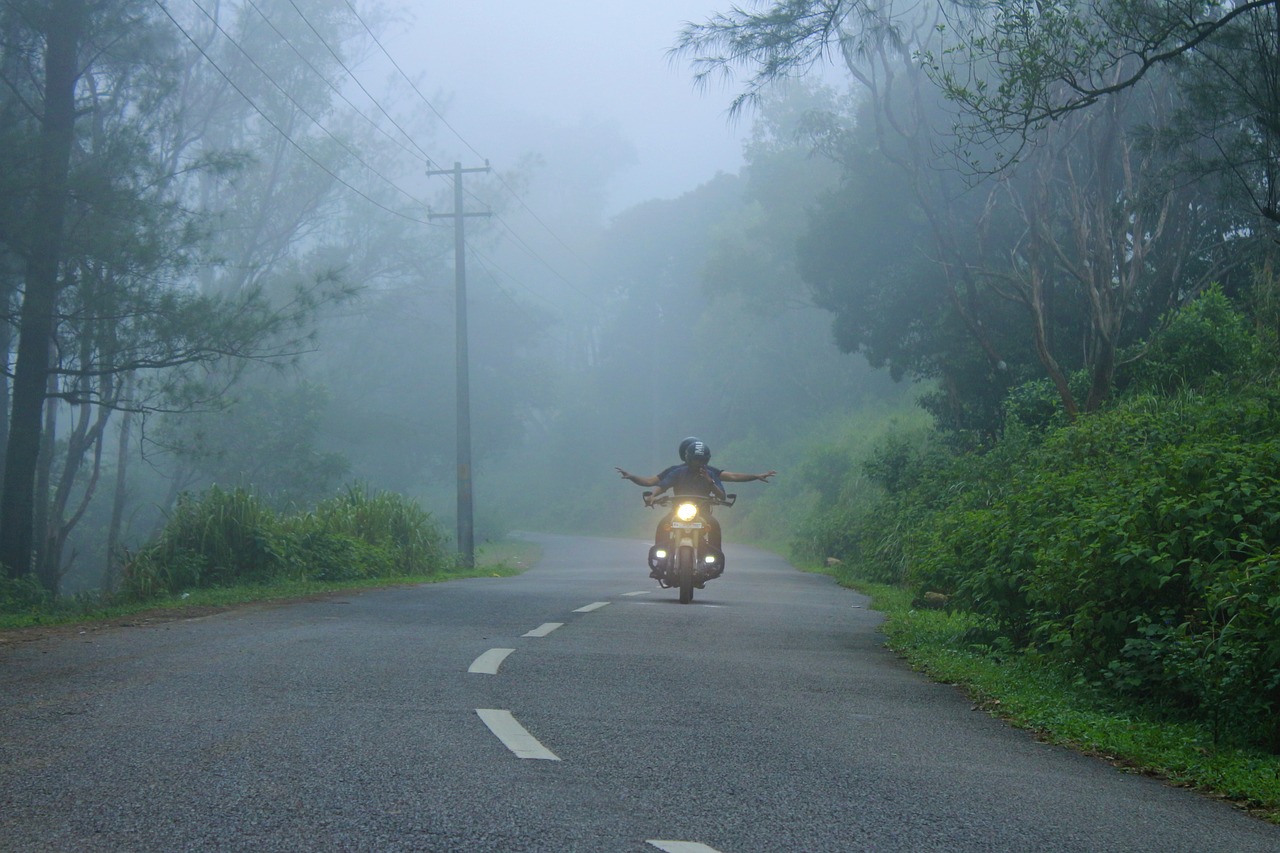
point(662, 534)
point(661, 538)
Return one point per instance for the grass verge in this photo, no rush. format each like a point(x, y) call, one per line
point(1028, 691)
point(502, 559)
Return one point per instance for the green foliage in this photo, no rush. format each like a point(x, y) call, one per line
point(1047, 696)
point(1206, 339)
point(398, 528)
point(224, 538)
point(20, 595)
point(847, 521)
point(220, 538)
point(1139, 546)
point(1037, 404)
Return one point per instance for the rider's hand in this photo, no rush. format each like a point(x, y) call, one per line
point(764, 478)
point(625, 475)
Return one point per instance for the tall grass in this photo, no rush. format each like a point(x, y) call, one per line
point(222, 538)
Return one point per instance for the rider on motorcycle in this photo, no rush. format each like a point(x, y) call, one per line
point(694, 478)
point(725, 476)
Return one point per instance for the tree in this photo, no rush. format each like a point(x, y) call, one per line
point(1016, 66)
point(62, 25)
point(920, 212)
point(105, 238)
point(1083, 281)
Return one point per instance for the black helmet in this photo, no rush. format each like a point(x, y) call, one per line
point(698, 454)
point(684, 445)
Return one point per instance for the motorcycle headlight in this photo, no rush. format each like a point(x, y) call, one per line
point(687, 512)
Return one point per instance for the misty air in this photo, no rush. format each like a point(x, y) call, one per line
point(501, 426)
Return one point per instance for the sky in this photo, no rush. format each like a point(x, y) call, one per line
point(513, 71)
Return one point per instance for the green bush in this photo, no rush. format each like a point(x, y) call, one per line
point(1037, 405)
point(327, 555)
point(414, 542)
point(1140, 544)
point(218, 539)
point(22, 595)
point(1203, 341)
point(225, 538)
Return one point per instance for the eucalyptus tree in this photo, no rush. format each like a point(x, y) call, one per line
point(1017, 65)
point(770, 319)
point(1081, 230)
point(895, 122)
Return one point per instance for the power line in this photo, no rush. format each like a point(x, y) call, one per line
point(409, 80)
point(351, 74)
point(446, 123)
point(534, 253)
point(333, 88)
point(490, 266)
point(275, 126)
point(299, 106)
point(356, 79)
point(460, 137)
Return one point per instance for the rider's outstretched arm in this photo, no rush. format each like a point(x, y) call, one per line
point(637, 479)
point(731, 477)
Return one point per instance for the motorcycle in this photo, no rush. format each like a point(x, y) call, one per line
point(685, 558)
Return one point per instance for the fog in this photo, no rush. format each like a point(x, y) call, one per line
point(518, 78)
point(255, 286)
point(288, 267)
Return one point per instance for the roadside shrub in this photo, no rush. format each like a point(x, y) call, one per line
point(866, 502)
point(220, 538)
point(327, 555)
point(1202, 341)
point(1037, 405)
point(1139, 544)
point(223, 538)
point(22, 595)
point(407, 534)
point(830, 530)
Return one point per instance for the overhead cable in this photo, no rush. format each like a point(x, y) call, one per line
point(277, 127)
point(460, 137)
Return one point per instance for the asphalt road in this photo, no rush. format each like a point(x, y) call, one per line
point(767, 716)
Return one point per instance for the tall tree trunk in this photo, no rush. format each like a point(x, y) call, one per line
point(121, 496)
point(6, 343)
point(84, 438)
point(63, 23)
point(46, 571)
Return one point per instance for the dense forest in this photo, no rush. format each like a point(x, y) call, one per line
point(996, 295)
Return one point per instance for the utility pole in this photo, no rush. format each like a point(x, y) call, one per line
point(466, 531)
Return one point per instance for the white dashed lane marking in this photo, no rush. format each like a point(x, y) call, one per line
point(596, 605)
point(514, 736)
point(682, 847)
point(544, 629)
point(641, 592)
point(488, 663)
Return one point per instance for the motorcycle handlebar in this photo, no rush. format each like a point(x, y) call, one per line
point(666, 500)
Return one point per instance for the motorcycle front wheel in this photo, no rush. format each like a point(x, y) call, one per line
point(684, 573)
